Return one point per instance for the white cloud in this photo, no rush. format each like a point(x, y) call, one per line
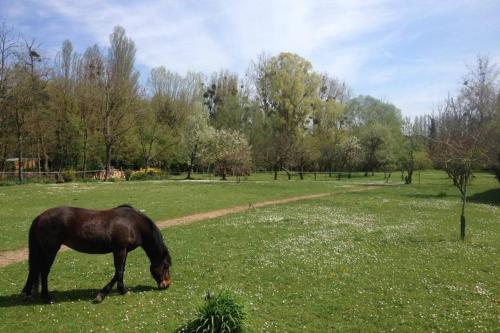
point(358, 41)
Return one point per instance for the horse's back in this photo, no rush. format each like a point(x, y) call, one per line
point(90, 231)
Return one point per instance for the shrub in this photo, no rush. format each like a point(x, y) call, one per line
point(128, 173)
point(219, 313)
point(68, 175)
point(146, 174)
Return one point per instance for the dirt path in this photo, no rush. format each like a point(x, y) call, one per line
point(13, 256)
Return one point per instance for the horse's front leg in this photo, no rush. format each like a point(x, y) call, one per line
point(105, 291)
point(120, 257)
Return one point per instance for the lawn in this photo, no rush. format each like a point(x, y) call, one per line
point(387, 259)
point(159, 199)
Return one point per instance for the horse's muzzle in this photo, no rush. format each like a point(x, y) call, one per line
point(164, 284)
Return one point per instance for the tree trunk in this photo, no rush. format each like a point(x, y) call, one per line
point(45, 160)
point(19, 157)
point(222, 169)
point(462, 227)
point(192, 158)
point(38, 157)
point(84, 162)
point(4, 157)
point(275, 173)
point(108, 161)
point(462, 217)
point(408, 178)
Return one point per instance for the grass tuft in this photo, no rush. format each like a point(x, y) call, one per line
point(220, 313)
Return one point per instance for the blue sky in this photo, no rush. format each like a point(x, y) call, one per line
point(410, 53)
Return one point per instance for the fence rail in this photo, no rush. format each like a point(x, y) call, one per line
point(61, 176)
point(55, 175)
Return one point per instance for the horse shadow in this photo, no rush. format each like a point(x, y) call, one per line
point(64, 296)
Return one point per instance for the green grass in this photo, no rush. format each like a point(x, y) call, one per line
point(159, 199)
point(388, 259)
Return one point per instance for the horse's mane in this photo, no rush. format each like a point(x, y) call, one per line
point(156, 245)
point(125, 205)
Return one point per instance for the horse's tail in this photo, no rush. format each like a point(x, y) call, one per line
point(34, 257)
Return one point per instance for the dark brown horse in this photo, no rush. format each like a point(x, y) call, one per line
point(118, 230)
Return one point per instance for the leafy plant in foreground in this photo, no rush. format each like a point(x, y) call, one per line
point(220, 313)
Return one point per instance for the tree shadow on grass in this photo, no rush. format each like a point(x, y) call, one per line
point(491, 197)
point(63, 296)
point(440, 195)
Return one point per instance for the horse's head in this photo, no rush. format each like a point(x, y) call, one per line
point(161, 272)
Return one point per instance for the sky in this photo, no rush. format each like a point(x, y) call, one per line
point(409, 53)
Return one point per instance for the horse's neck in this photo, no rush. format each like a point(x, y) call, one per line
point(153, 250)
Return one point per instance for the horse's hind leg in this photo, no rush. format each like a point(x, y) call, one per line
point(32, 282)
point(47, 261)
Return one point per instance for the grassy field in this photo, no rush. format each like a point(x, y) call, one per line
point(159, 199)
point(387, 259)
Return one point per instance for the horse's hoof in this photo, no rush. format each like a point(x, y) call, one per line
point(98, 299)
point(124, 291)
point(48, 300)
point(27, 298)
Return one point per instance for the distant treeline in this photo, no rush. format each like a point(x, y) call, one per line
point(89, 111)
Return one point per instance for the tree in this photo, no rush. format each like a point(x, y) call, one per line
point(154, 137)
point(63, 105)
point(349, 153)
point(120, 91)
point(329, 129)
point(28, 93)
point(196, 137)
point(462, 140)
point(378, 126)
point(8, 47)
point(286, 89)
point(161, 123)
point(458, 149)
point(231, 153)
point(334, 89)
point(221, 97)
point(88, 98)
point(494, 152)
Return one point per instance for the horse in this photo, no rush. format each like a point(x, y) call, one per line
point(118, 230)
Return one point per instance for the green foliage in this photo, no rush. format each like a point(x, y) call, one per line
point(230, 153)
point(288, 90)
point(88, 111)
point(220, 313)
point(147, 174)
point(68, 175)
point(128, 173)
point(378, 125)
